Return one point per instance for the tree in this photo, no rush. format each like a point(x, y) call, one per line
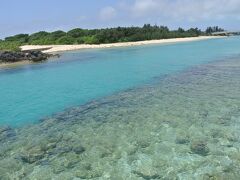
point(57, 34)
point(108, 35)
point(21, 38)
point(213, 29)
point(90, 40)
point(194, 31)
point(180, 30)
point(76, 33)
point(38, 35)
point(66, 40)
point(9, 46)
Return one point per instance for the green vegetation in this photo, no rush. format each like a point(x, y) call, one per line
point(100, 36)
point(213, 29)
point(9, 46)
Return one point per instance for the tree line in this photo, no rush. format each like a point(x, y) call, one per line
point(101, 36)
point(214, 29)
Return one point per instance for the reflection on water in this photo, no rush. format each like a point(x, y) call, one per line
point(186, 126)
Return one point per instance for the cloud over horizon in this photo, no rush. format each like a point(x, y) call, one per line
point(107, 13)
point(181, 10)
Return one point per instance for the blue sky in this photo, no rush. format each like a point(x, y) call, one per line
point(27, 16)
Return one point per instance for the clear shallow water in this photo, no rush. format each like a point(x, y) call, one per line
point(184, 126)
point(33, 92)
point(180, 119)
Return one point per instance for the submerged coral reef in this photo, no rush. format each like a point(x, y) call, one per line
point(185, 126)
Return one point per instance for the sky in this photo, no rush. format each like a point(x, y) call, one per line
point(28, 16)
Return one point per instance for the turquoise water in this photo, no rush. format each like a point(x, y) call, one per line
point(169, 112)
point(32, 92)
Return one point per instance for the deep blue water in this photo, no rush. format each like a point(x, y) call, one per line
point(32, 92)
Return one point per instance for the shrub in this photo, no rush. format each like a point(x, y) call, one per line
point(9, 46)
point(76, 33)
point(66, 40)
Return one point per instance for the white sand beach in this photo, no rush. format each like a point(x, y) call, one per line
point(62, 48)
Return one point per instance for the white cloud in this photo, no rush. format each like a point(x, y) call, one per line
point(143, 7)
point(108, 13)
point(190, 10)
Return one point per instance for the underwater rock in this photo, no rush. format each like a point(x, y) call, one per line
point(216, 133)
point(143, 144)
point(33, 155)
point(66, 146)
point(220, 176)
point(35, 152)
point(48, 146)
point(232, 137)
point(58, 168)
point(47, 123)
point(147, 174)
point(224, 120)
point(209, 177)
point(182, 139)
point(78, 149)
point(131, 150)
point(8, 166)
point(88, 172)
point(227, 165)
point(64, 162)
point(70, 160)
point(4, 128)
point(199, 147)
point(145, 168)
point(224, 142)
point(204, 113)
point(6, 132)
point(60, 150)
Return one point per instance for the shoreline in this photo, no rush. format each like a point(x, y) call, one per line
point(7, 65)
point(63, 48)
point(15, 64)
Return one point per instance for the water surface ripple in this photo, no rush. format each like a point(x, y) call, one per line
point(32, 92)
point(184, 126)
